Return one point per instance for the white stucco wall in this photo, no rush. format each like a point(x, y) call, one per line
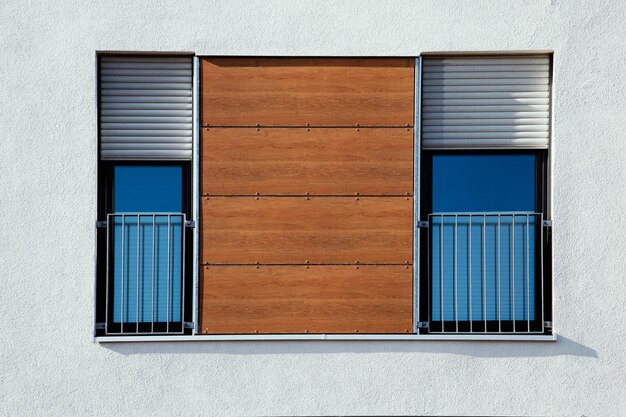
point(49, 364)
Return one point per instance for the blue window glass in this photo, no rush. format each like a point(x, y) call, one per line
point(147, 189)
point(147, 248)
point(483, 183)
point(483, 264)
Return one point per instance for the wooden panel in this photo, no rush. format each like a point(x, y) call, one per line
point(294, 230)
point(296, 299)
point(324, 161)
point(317, 91)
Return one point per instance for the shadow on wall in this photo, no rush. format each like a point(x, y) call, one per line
point(563, 347)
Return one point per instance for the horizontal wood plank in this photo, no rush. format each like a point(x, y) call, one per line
point(297, 299)
point(301, 91)
point(323, 161)
point(297, 230)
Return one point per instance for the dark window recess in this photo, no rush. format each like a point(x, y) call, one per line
point(485, 253)
point(144, 284)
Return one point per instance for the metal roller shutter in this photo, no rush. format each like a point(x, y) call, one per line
point(145, 108)
point(486, 102)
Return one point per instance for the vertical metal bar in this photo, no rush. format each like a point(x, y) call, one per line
point(182, 277)
point(513, 266)
point(123, 266)
point(541, 268)
point(108, 277)
point(470, 274)
point(417, 105)
point(169, 255)
point(195, 193)
point(485, 271)
point(498, 270)
point(153, 253)
point(137, 279)
point(456, 286)
point(441, 273)
point(527, 276)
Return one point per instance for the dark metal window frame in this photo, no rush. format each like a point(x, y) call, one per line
point(541, 206)
point(105, 206)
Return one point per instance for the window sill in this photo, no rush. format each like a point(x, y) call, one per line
point(336, 337)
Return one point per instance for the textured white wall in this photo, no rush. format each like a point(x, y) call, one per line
point(48, 362)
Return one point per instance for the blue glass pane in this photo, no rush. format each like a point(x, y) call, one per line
point(147, 189)
point(147, 268)
point(483, 183)
point(483, 266)
point(147, 250)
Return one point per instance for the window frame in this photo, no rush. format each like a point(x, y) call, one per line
point(542, 240)
point(106, 191)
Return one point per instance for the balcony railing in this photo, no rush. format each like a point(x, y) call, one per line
point(486, 273)
point(145, 273)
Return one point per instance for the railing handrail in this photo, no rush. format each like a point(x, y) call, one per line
point(140, 213)
point(486, 213)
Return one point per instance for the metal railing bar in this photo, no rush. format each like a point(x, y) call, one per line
point(456, 267)
point(470, 271)
point(137, 279)
point(513, 267)
point(498, 271)
point(151, 214)
point(476, 213)
point(485, 272)
point(541, 267)
point(441, 274)
point(527, 277)
point(169, 219)
point(122, 305)
point(182, 283)
point(108, 260)
point(154, 231)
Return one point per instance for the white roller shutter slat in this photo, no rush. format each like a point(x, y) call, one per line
point(144, 139)
point(478, 107)
point(489, 102)
point(485, 74)
point(146, 59)
point(486, 129)
point(146, 71)
point(490, 68)
point(484, 101)
point(142, 111)
point(483, 122)
point(135, 132)
point(146, 108)
point(471, 95)
point(148, 125)
point(147, 93)
point(146, 146)
point(489, 81)
point(165, 85)
point(522, 60)
point(487, 135)
point(530, 143)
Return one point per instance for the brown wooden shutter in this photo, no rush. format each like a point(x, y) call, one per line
point(307, 211)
